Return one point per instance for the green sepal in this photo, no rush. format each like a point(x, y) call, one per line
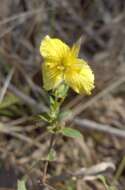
point(61, 91)
point(54, 108)
point(21, 185)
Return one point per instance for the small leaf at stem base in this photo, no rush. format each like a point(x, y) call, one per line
point(69, 132)
point(52, 155)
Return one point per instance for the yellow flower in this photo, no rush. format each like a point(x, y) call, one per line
point(61, 64)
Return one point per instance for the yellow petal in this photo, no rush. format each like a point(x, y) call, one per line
point(53, 49)
point(52, 77)
point(76, 47)
point(80, 77)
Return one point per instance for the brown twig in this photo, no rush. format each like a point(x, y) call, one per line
point(23, 16)
point(6, 84)
point(27, 99)
point(86, 173)
point(92, 125)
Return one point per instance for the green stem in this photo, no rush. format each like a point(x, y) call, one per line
point(119, 170)
point(52, 142)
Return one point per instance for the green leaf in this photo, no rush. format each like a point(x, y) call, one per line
point(52, 155)
point(21, 185)
point(45, 117)
point(69, 132)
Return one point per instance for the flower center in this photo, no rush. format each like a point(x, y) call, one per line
point(60, 67)
point(65, 63)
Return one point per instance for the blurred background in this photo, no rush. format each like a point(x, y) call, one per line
point(100, 117)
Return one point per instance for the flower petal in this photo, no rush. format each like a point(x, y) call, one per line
point(80, 77)
point(53, 49)
point(76, 47)
point(52, 77)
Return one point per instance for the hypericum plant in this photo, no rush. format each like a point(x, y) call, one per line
point(62, 69)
